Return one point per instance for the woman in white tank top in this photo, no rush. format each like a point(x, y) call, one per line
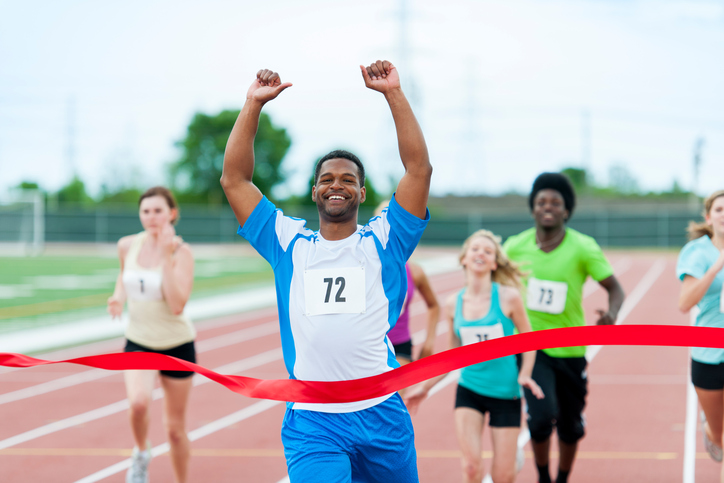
point(157, 271)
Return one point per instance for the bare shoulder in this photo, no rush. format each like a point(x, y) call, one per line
point(124, 244)
point(418, 274)
point(508, 293)
point(452, 300)
point(510, 299)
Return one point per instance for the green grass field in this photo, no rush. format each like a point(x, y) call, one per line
point(32, 287)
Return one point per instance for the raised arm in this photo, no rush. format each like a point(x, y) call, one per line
point(414, 187)
point(242, 194)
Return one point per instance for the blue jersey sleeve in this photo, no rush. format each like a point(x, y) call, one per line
point(691, 261)
point(270, 232)
point(405, 230)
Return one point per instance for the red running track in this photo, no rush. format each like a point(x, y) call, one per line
point(67, 423)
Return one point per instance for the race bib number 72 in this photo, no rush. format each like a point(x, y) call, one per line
point(546, 296)
point(334, 291)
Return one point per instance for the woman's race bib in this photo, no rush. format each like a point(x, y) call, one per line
point(142, 285)
point(546, 296)
point(472, 335)
point(334, 291)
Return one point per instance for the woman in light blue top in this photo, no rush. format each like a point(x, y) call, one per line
point(488, 307)
point(700, 269)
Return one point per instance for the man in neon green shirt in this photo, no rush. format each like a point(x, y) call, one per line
point(558, 261)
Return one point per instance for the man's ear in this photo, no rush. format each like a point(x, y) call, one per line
point(314, 191)
point(363, 194)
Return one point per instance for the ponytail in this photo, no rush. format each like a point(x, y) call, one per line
point(699, 229)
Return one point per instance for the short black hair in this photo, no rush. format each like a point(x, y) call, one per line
point(554, 181)
point(340, 154)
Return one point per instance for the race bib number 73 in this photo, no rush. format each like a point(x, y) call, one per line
point(334, 291)
point(546, 296)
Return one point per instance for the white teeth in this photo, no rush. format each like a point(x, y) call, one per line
point(335, 197)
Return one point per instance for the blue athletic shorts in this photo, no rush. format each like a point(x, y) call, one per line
point(371, 445)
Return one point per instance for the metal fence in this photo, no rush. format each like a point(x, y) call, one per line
point(665, 228)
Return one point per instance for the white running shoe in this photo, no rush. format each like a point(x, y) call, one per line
point(714, 450)
point(138, 472)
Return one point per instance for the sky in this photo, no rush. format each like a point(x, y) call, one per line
point(503, 89)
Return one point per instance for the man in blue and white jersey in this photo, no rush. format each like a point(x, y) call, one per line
point(339, 290)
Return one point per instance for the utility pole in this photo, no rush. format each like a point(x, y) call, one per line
point(696, 164)
point(698, 147)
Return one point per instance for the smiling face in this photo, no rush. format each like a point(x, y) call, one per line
point(338, 193)
point(715, 217)
point(549, 209)
point(480, 256)
point(155, 213)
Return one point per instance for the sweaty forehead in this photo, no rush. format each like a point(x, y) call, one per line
point(339, 166)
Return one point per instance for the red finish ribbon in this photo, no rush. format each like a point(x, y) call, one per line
point(423, 369)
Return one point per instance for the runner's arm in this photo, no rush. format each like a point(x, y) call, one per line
point(178, 278)
point(615, 300)
point(693, 289)
point(416, 394)
point(118, 299)
point(236, 178)
point(422, 284)
point(515, 310)
point(414, 187)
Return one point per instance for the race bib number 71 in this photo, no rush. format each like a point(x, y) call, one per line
point(480, 333)
point(335, 291)
point(546, 296)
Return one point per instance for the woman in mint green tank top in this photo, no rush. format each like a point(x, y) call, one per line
point(488, 307)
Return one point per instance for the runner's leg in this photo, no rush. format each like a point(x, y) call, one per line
point(139, 386)
point(176, 398)
point(505, 446)
point(712, 403)
point(469, 425)
point(541, 413)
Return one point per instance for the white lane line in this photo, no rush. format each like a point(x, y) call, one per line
point(119, 406)
point(633, 299)
point(212, 427)
point(213, 343)
point(692, 405)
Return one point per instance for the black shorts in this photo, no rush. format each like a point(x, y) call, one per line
point(404, 349)
point(504, 413)
point(707, 376)
point(185, 352)
point(565, 385)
